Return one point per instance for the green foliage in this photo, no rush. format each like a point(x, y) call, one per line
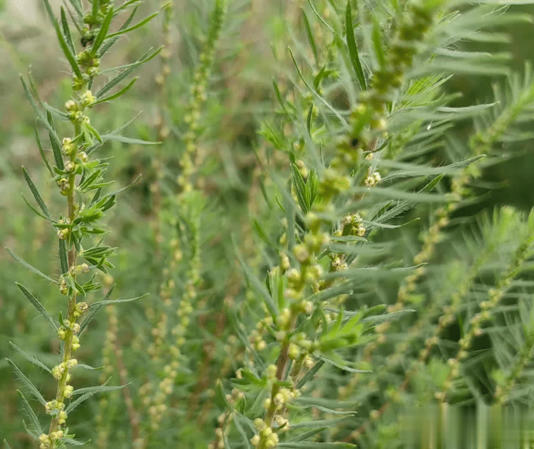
point(309, 220)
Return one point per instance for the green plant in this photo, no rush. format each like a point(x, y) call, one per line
point(325, 260)
point(79, 176)
point(341, 204)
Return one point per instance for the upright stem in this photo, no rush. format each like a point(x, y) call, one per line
point(69, 334)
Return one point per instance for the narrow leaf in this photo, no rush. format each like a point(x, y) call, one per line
point(66, 30)
point(119, 93)
point(27, 383)
point(353, 49)
point(30, 357)
point(37, 430)
point(62, 42)
point(35, 302)
point(134, 27)
point(314, 445)
point(99, 39)
point(30, 267)
point(129, 69)
point(54, 141)
point(311, 39)
point(41, 151)
point(110, 302)
point(84, 397)
point(35, 193)
point(64, 264)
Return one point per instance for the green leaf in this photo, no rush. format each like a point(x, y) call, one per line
point(89, 316)
point(309, 375)
point(95, 7)
point(353, 48)
point(377, 43)
point(27, 383)
point(35, 193)
point(133, 27)
point(256, 284)
point(93, 132)
point(343, 365)
point(127, 70)
point(72, 442)
point(315, 445)
point(332, 406)
point(220, 396)
point(300, 188)
point(97, 389)
point(32, 95)
point(34, 210)
point(64, 264)
point(88, 393)
point(30, 267)
point(35, 302)
point(66, 30)
point(314, 92)
point(102, 32)
point(110, 302)
point(110, 42)
point(54, 141)
point(119, 93)
point(41, 151)
point(311, 39)
point(128, 140)
point(238, 421)
point(30, 358)
point(62, 42)
point(37, 430)
point(416, 197)
point(319, 423)
point(76, 4)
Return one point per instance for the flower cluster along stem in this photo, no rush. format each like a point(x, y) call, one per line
point(108, 369)
point(157, 405)
point(476, 323)
point(368, 127)
point(506, 382)
point(198, 98)
point(164, 346)
point(80, 181)
point(162, 128)
point(73, 149)
point(481, 143)
point(447, 316)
